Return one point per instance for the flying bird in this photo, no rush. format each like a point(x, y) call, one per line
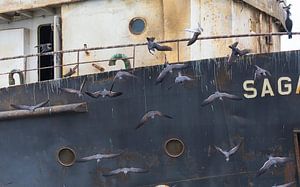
point(228, 153)
point(181, 79)
point(71, 71)
point(235, 53)
point(219, 95)
point(153, 45)
point(272, 161)
point(125, 171)
point(121, 75)
point(285, 185)
point(103, 93)
point(98, 157)
point(260, 72)
point(168, 69)
point(288, 21)
point(28, 107)
point(196, 32)
point(73, 91)
point(151, 115)
point(44, 47)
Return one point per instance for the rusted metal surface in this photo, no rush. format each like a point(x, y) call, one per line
point(17, 5)
point(264, 125)
point(16, 114)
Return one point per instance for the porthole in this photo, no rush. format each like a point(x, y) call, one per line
point(137, 25)
point(174, 147)
point(66, 156)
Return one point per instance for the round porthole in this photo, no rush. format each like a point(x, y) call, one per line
point(174, 147)
point(66, 156)
point(137, 25)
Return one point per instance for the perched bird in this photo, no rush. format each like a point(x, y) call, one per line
point(151, 115)
point(288, 21)
point(121, 75)
point(153, 45)
point(98, 157)
point(228, 153)
point(30, 108)
point(168, 69)
point(219, 95)
point(272, 161)
point(73, 91)
point(235, 53)
point(103, 93)
point(125, 171)
point(180, 79)
point(196, 32)
point(260, 72)
point(44, 47)
point(71, 71)
point(285, 185)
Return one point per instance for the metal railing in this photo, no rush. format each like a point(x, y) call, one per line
point(133, 46)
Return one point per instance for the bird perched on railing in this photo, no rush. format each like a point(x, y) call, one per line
point(71, 71)
point(288, 21)
point(153, 45)
point(44, 47)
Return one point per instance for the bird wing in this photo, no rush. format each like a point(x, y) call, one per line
point(114, 172)
point(179, 66)
point(231, 58)
point(162, 115)
point(265, 167)
point(234, 45)
point(191, 30)
point(137, 170)
point(268, 73)
point(69, 90)
point(144, 119)
point(221, 150)
point(129, 75)
point(231, 96)
point(194, 38)
point(162, 75)
point(94, 94)
point(282, 160)
point(110, 155)
point(233, 150)
point(287, 184)
point(114, 94)
point(243, 52)
point(20, 107)
point(82, 84)
point(41, 104)
point(209, 100)
point(162, 47)
point(88, 158)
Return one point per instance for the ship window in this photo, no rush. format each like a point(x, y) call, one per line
point(137, 25)
point(66, 156)
point(46, 62)
point(174, 147)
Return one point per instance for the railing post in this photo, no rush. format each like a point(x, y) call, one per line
point(78, 63)
point(133, 60)
point(178, 51)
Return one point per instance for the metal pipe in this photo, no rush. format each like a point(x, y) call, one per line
point(140, 44)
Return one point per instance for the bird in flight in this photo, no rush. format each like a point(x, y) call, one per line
point(152, 46)
point(272, 161)
point(98, 157)
point(103, 93)
point(168, 69)
point(181, 79)
point(196, 32)
point(228, 153)
point(71, 71)
point(29, 107)
point(74, 91)
point(285, 185)
point(260, 72)
point(151, 115)
point(219, 95)
point(125, 171)
point(235, 53)
point(120, 76)
point(44, 47)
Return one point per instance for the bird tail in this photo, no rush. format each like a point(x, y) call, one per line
point(167, 116)
point(290, 35)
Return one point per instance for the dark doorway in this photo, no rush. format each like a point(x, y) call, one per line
point(45, 37)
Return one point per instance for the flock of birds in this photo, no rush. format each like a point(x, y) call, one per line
point(180, 79)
